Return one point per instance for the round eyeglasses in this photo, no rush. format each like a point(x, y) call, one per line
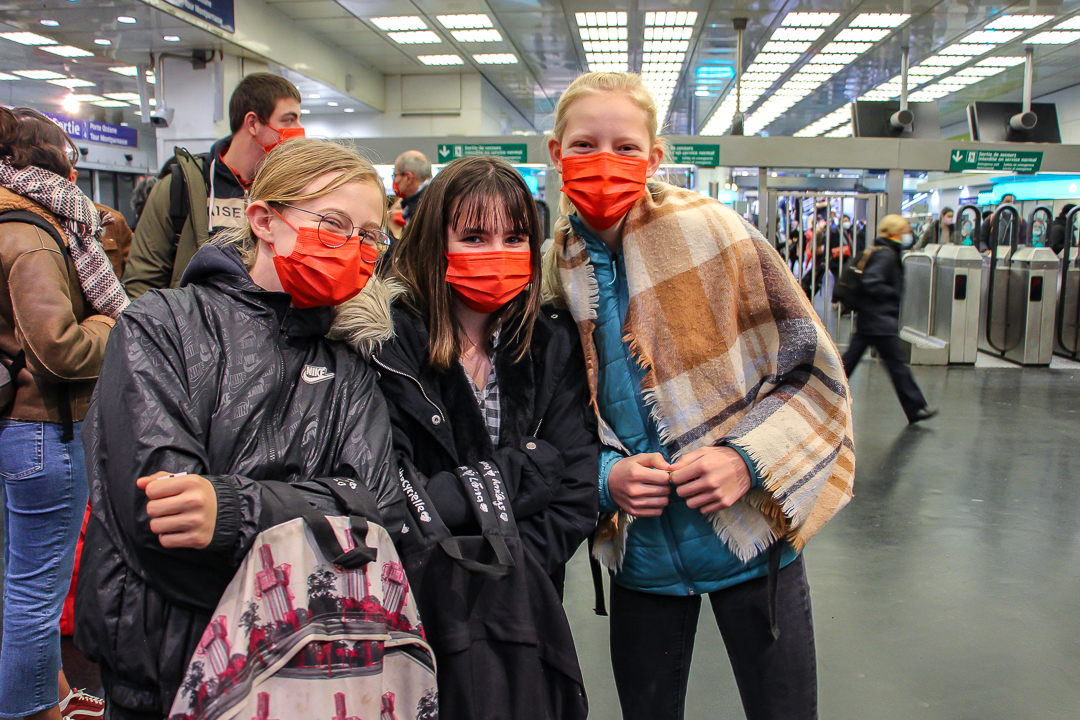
point(333, 226)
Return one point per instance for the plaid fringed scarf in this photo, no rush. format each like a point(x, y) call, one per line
point(82, 226)
point(733, 352)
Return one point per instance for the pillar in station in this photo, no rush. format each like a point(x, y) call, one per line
point(895, 187)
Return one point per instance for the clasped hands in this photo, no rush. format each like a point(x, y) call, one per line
point(182, 508)
point(709, 478)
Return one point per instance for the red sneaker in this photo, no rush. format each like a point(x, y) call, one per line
point(79, 706)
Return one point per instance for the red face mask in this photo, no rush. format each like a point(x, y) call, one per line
point(485, 281)
point(316, 275)
point(603, 186)
point(283, 134)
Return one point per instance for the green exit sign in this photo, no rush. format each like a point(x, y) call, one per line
point(700, 155)
point(1018, 161)
point(510, 152)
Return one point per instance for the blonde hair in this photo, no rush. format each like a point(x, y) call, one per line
point(627, 83)
point(288, 169)
point(892, 225)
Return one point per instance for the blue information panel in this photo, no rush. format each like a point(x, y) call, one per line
point(215, 12)
point(98, 132)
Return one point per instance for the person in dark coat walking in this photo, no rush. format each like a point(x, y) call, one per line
point(877, 321)
point(479, 371)
point(1059, 229)
point(210, 389)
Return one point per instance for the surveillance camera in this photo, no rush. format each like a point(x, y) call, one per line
point(84, 151)
point(129, 157)
point(162, 117)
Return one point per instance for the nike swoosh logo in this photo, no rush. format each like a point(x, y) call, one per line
point(314, 375)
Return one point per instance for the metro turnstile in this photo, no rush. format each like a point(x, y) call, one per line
point(916, 309)
point(955, 307)
point(1067, 325)
point(1018, 322)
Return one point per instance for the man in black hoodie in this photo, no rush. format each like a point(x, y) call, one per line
point(877, 321)
point(264, 110)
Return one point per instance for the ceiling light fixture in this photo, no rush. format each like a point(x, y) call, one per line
point(809, 19)
point(465, 22)
point(600, 19)
point(350, 110)
point(440, 59)
point(5, 76)
point(124, 96)
point(1019, 22)
point(861, 35)
point(171, 38)
point(38, 74)
point(314, 96)
point(125, 70)
point(71, 83)
point(27, 38)
point(414, 37)
point(399, 23)
point(126, 19)
point(85, 97)
point(604, 26)
point(68, 51)
point(332, 104)
point(1054, 37)
point(496, 59)
point(879, 20)
point(467, 36)
point(102, 41)
point(70, 104)
point(110, 104)
point(50, 23)
point(305, 111)
point(991, 37)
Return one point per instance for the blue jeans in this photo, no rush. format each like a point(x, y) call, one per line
point(45, 491)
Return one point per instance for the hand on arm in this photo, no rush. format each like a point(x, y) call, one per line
point(640, 485)
point(711, 478)
point(182, 509)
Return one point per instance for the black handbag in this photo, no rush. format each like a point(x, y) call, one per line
point(502, 642)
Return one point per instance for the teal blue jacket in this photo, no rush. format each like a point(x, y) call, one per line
point(677, 553)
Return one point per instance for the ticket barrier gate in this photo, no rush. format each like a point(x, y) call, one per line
point(1018, 320)
point(1067, 324)
point(916, 310)
point(955, 319)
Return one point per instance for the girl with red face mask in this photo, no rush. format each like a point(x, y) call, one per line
point(484, 382)
point(252, 370)
point(723, 412)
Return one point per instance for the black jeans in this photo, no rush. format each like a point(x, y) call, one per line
point(888, 347)
point(652, 643)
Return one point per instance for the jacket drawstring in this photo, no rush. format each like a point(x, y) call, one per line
point(598, 580)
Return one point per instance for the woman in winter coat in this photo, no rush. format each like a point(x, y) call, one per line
point(211, 388)
point(480, 372)
point(59, 300)
point(939, 232)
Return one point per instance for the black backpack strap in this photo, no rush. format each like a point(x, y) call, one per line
point(294, 503)
point(179, 206)
point(63, 398)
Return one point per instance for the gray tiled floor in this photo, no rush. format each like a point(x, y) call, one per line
point(950, 588)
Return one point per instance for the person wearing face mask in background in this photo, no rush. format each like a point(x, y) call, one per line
point(718, 393)
point(479, 375)
point(412, 173)
point(213, 387)
point(998, 233)
point(877, 320)
point(202, 194)
point(939, 232)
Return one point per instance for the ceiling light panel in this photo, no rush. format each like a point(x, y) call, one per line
point(1072, 23)
point(5, 76)
point(27, 38)
point(1055, 37)
point(776, 58)
point(797, 34)
point(861, 35)
point(879, 20)
point(831, 58)
point(399, 23)
point(605, 27)
point(68, 51)
point(1019, 22)
point(603, 33)
point(1000, 62)
point(969, 49)
point(72, 83)
point(668, 33)
point(440, 59)
point(945, 60)
point(465, 22)
point(666, 41)
point(600, 19)
point(415, 37)
point(785, 47)
point(809, 19)
point(992, 37)
point(467, 36)
point(110, 104)
point(853, 48)
point(38, 74)
point(85, 98)
point(125, 96)
point(496, 59)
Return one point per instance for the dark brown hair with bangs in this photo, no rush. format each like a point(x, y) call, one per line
point(473, 192)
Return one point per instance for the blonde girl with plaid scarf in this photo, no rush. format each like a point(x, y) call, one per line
point(723, 409)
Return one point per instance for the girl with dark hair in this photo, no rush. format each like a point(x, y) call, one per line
point(59, 300)
point(481, 377)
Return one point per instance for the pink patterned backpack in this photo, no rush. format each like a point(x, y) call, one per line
point(299, 636)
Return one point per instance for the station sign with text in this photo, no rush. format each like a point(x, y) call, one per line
point(700, 155)
point(510, 152)
point(216, 12)
point(98, 132)
point(1018, 161)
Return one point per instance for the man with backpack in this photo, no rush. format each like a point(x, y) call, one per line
point(202, 194)
point(875, 294)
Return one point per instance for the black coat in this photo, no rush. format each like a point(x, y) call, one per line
point(881, 291)
point(548, 450)
point(226, 380)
